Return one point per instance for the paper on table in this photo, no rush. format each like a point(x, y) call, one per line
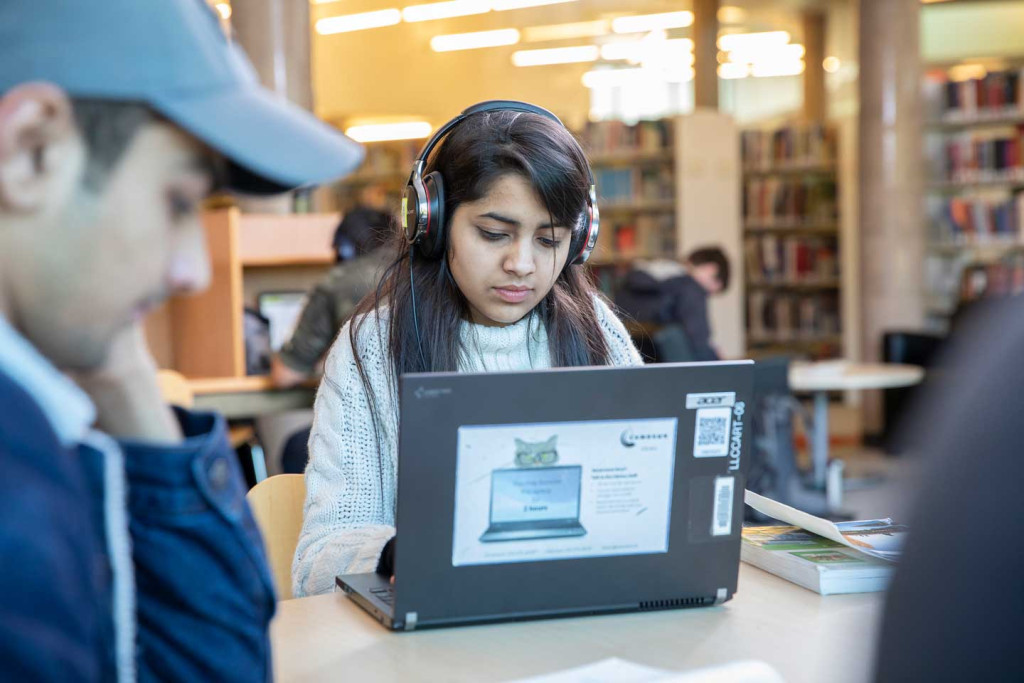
point(875, 537)
point(615, 670)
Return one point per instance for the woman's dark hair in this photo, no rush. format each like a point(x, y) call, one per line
point(476, 153)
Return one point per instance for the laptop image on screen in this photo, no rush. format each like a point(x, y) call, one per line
point(534, 502)
point(636, 504)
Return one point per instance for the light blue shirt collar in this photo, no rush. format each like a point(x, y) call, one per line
point(69, 410)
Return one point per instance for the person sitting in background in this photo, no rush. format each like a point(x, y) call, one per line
point(358, 243)
point(128, 553)
point(360, 261)
point(670, 294)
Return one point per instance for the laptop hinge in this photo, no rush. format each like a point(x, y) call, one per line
point(410, 620)
point(721, 596)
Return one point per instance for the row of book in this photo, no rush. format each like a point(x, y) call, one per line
point(791, 260)
point(778, 201)
point(1005, 277)
point(609, 137)
point(785, 317)
point(998, 93)
point(985, 217)
point(810, 144)
point(644, 236)
point(979, 155)
point(632, 185)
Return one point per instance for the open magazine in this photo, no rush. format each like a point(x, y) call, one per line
point(879, 538)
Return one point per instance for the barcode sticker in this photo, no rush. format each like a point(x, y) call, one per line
point(721, 519)
point(711, 433)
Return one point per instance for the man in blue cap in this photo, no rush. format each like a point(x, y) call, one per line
point(127, 548)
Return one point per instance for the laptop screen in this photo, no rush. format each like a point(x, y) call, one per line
point(535, 494)
point(282, 310)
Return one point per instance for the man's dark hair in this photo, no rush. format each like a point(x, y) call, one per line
point(108, 128)
point(714, 255)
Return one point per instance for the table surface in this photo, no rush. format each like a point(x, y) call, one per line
point(806, 637)
point(843, 375)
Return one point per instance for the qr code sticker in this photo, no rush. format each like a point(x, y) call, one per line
point(721, 518)
point(711, 433)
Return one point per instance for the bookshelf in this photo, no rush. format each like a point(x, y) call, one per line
point(974, 196)
point(791, 241)
point(666, 187)
point(201, 335)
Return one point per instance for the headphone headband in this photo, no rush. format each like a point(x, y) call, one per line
point(423, 202)
point(479, 108)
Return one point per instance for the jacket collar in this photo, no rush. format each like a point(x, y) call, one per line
point(68, 409)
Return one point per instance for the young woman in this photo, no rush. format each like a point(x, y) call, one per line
point(499, 291)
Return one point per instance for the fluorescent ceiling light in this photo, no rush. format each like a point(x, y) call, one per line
point(377, 132)
point(753, 41)
point(607, 78)
point(579, 29)
point(730, 71)
point(358, 22)
point(782, 67)
point(650, 22)
point(472, 41)
point(502, 5)
point(636, 51)
point(445, 10)
point(792, 52)
point(557, 55)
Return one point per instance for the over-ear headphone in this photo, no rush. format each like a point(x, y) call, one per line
point(423, 218)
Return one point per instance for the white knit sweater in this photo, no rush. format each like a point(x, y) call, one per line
point(349, 513)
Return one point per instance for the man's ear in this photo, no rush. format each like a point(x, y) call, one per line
point(38, 139)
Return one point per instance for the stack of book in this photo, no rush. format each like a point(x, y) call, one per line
point(816, 563)
point(825, 557)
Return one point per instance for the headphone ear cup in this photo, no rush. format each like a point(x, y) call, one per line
point(432, 244)
point(585, 238)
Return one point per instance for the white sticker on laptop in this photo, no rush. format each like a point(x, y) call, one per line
point(562, 490)
point(721, 518)
point(722, 399)
point(711, 433)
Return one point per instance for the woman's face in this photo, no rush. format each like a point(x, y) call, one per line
point(504, 253)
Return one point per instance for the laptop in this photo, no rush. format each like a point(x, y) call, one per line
point(517, 515)
point(579, 491)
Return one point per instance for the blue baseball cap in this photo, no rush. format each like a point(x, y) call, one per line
point(173, 56)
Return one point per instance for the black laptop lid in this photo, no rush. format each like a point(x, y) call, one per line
point(661, 451)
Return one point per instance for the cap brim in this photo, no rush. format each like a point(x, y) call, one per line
point(278, 145)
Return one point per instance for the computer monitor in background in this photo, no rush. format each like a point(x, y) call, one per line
point(282, 310)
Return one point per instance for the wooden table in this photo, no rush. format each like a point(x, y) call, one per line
point(827, 376)
point(248, 397)
point(806, 637)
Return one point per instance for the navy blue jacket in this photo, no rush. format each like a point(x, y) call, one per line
point(204, 596)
